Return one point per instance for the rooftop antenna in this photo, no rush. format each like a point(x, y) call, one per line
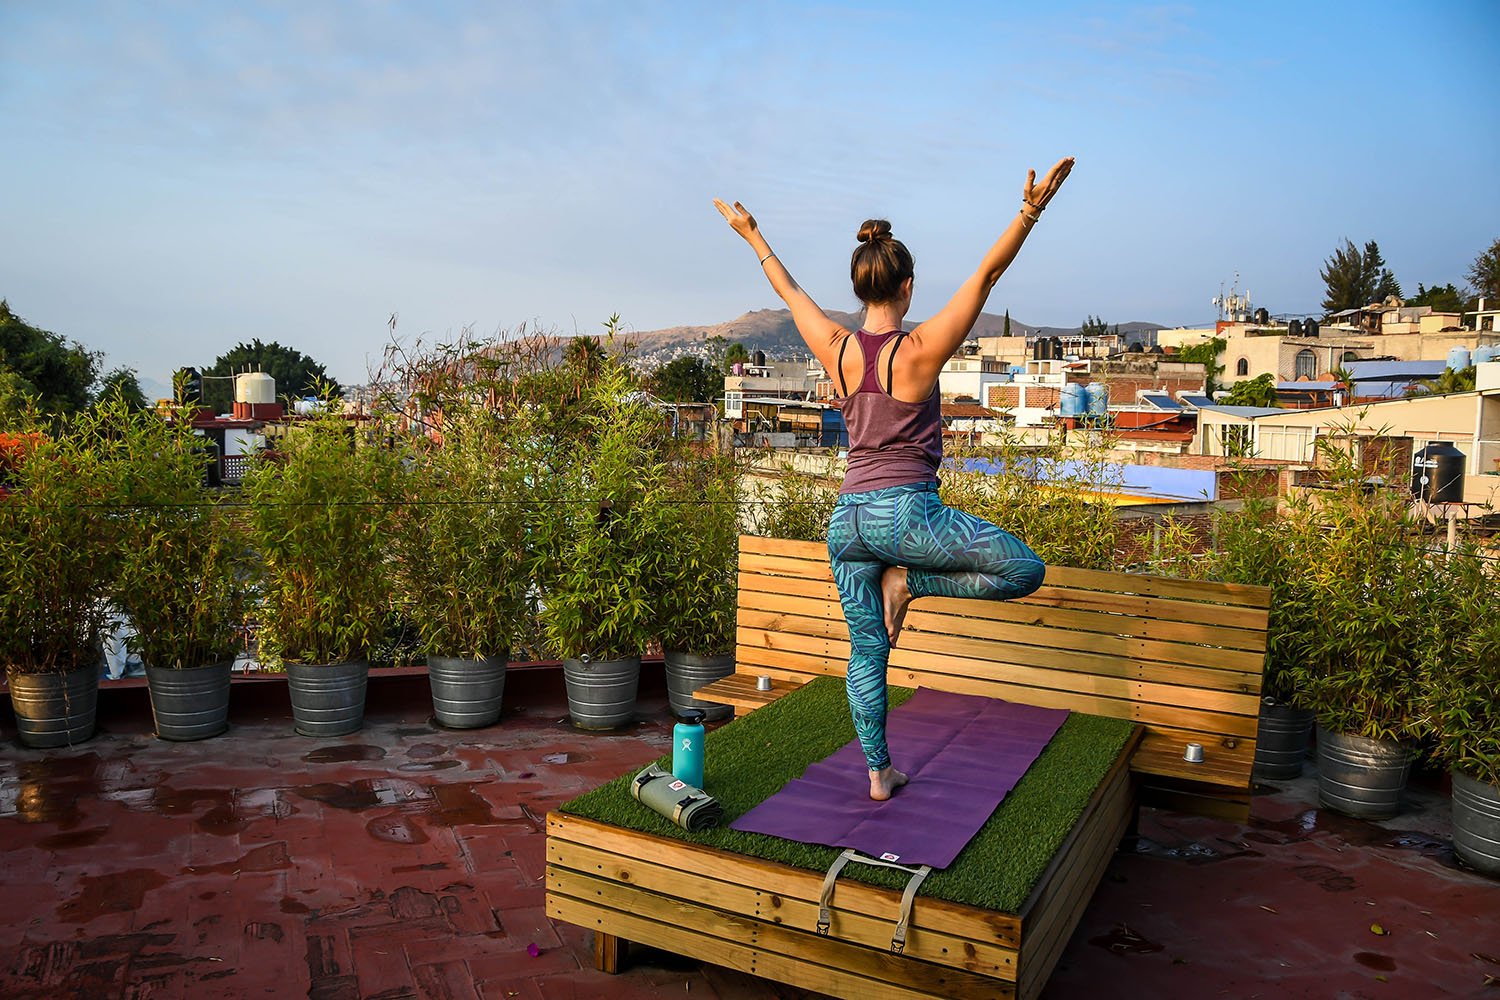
point(1234, 307)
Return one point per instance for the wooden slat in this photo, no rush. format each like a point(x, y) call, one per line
point(789, 585)
point(938, 914)
point(761, 660)
point(810, 624)
point(800, 569)
point(869, 930)
point(761, 545)
point(701, 933)
point(739, 690)
point(1090, 673)
point(805, 607)
point(1233, 661)
point(793, 640)
point(1200, 591)
point(1162, 753)
point(1161, 608)
point(969, 676)
point(1105, 623)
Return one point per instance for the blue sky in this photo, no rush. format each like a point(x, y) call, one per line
point(183, 176)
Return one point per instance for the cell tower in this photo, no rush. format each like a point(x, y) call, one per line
point(1234, 307)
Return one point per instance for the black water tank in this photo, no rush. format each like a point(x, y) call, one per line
point(1437, 473)
point(1055, 347)
point(1294, 328)
point(1039, 349)
point(760, 358)
point(1310, 327)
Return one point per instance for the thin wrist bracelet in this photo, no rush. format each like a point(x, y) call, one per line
point(766, 258)
point(1027, 215)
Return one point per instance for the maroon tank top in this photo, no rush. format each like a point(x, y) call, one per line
point(891, 442)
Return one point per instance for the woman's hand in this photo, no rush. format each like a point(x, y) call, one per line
point(738, 217)
point(1037, 195)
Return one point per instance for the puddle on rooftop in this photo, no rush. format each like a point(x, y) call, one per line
point(265, 858)
point(461, 805)
point(1312, 823)
point(396, 829)
point(117, 892)
point(344, 754)
point(75, 838)
point(1121, 940)
point(50, 790)
point(423, 751)
point(1371, 960)
point(1193, 852)
point(366, 793)
point(429, 765)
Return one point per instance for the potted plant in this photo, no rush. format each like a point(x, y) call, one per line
point(598, 551)
point(1365, 627)
point(182, 572)
point(59, 542)
point(320, 522)
point(1462, 711)
point(696, 601)
point(462, 565)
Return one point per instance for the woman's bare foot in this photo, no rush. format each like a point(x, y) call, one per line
point(895, 595)
point(884, 782)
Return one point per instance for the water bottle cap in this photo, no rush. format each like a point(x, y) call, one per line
point(692, 717)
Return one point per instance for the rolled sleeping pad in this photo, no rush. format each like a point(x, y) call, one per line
point(691, 808)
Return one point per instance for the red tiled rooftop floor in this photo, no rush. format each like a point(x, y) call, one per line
point(407, 861)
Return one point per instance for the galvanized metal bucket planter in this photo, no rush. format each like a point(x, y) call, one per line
point(55, 710)
point(1476, 823)
point(1361, 777)
point(328, 699)
point(687, 672)
point(466, 694)
point(1281, 740)
point(601, 693)
point(192, 703)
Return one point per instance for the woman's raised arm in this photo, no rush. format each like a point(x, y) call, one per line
point(819, 332)
point(939, 337)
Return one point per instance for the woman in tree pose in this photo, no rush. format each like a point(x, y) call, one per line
point(890, 538)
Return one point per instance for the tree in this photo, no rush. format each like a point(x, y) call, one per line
point(687, 379)
point(1006, 332)
point(1484, 275)
point(1452, 380)
point(1383, 283)
point(736, 354)
point(296, 374)
point(58, 372)
point(1094, 327)
point(1207, 355)
point(123, 382)
point(1257, 391)
point(1353, 279)
point(1442, 298)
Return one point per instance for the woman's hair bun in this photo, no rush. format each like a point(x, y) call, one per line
point(874, 229)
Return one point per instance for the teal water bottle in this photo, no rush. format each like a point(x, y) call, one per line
point(687, 749)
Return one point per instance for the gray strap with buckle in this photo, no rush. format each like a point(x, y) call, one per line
point(825, 899)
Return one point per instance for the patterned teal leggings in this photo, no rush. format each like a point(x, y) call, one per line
point(948, 554)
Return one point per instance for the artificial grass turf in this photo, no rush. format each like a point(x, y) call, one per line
point(750, 759)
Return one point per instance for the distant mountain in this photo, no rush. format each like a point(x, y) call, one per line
point(772, 331)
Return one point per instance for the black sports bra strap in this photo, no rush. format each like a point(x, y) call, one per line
point(843, 384)
point(890, 363)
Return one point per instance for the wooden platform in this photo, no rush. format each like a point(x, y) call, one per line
point(760, 917)
point(1183, 660)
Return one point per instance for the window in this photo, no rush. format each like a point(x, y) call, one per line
point(1349, 356)
point(1236, 441)
point(1307, 364)
point(1242, 366)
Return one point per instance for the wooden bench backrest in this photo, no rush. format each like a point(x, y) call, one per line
point(1182, 658)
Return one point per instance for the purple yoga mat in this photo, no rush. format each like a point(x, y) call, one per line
point(963, 754)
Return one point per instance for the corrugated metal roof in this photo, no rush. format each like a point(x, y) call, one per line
point(1307, 386)
point(1393, 370)
point(1245, 411)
